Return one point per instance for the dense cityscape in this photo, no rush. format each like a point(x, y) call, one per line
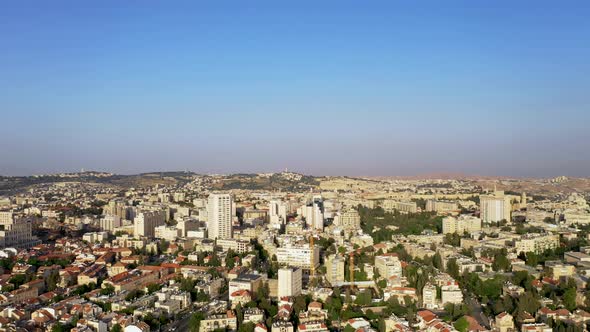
point(285, 252)
point(294, 166)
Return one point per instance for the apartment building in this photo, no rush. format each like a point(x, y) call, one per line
point(406, 207)
point(429, 296)
point(145, 222)
point(110, 222)
point(227, 321)
point(16, 231)
point(239, 246)
point(277, 212)
point(299, 256)
point(433, 205)
point(290, 282)
point(348, 219)
point(451, 293)
point(558, 270)
point(495, 207)
point(536, 243)
point(335, 269)
point(169, 233)
point(460, 225)
point(219, 215)
point(388, 265)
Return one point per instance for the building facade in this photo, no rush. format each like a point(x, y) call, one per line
point(219, 215)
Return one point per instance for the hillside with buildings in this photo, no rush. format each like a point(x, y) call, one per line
point(287, 252)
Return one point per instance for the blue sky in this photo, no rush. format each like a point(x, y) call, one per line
point(330, 87)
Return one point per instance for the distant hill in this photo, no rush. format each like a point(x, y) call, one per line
point(276, 181)
point(270, 181)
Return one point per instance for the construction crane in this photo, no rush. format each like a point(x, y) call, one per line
point(311, 257)
point(351, 269)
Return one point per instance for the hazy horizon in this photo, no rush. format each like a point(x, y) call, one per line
point(432, 175)
point(330, 88)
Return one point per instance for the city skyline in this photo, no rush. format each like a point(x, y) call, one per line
point(333, 88)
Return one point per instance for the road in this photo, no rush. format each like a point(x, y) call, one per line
point(476, 311)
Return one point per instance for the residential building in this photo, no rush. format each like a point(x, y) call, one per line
point(299, 256)
point(504, 322)
point(16, 232)
point(460, 225)
point(290, 282)
point(335, 269)
point(406, 207)
point(145, 222)
point(433, 205)
point(388, 265)
point(429, 296)
point(451, 293)
point(495, 207)
point(536, 243)
point(110, 222)
point(219, 215)
point(225, 321)
point(348, 219)
point(277, 212)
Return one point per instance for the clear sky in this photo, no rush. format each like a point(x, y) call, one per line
point(319, 87)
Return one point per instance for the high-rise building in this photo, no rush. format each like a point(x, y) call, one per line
point(110, 222)
point(495, 207)
point(145, 222)
point(277, 212)
point(186, 225)
point(290, 282)
point(117, 208)
point(314, 213)
point(335, 269)
point(219, 215)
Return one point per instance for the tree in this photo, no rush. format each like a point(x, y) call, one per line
point(453, 239)
point(501, 262)
point(52, 280)
point(247, 327)
point(437, 261)
point(456, 310)
point(58, 327)
point(569, 299)
point(461, 324)
point(195, 321)
point(136, 293)
point(349, 328)
point(453, 268)
point(363, 298)
point(116, 328)
point(18, 280)
point(152, 288)
point(300, 304)
point(527, 303)
point(108, 289)
point(532, 259)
